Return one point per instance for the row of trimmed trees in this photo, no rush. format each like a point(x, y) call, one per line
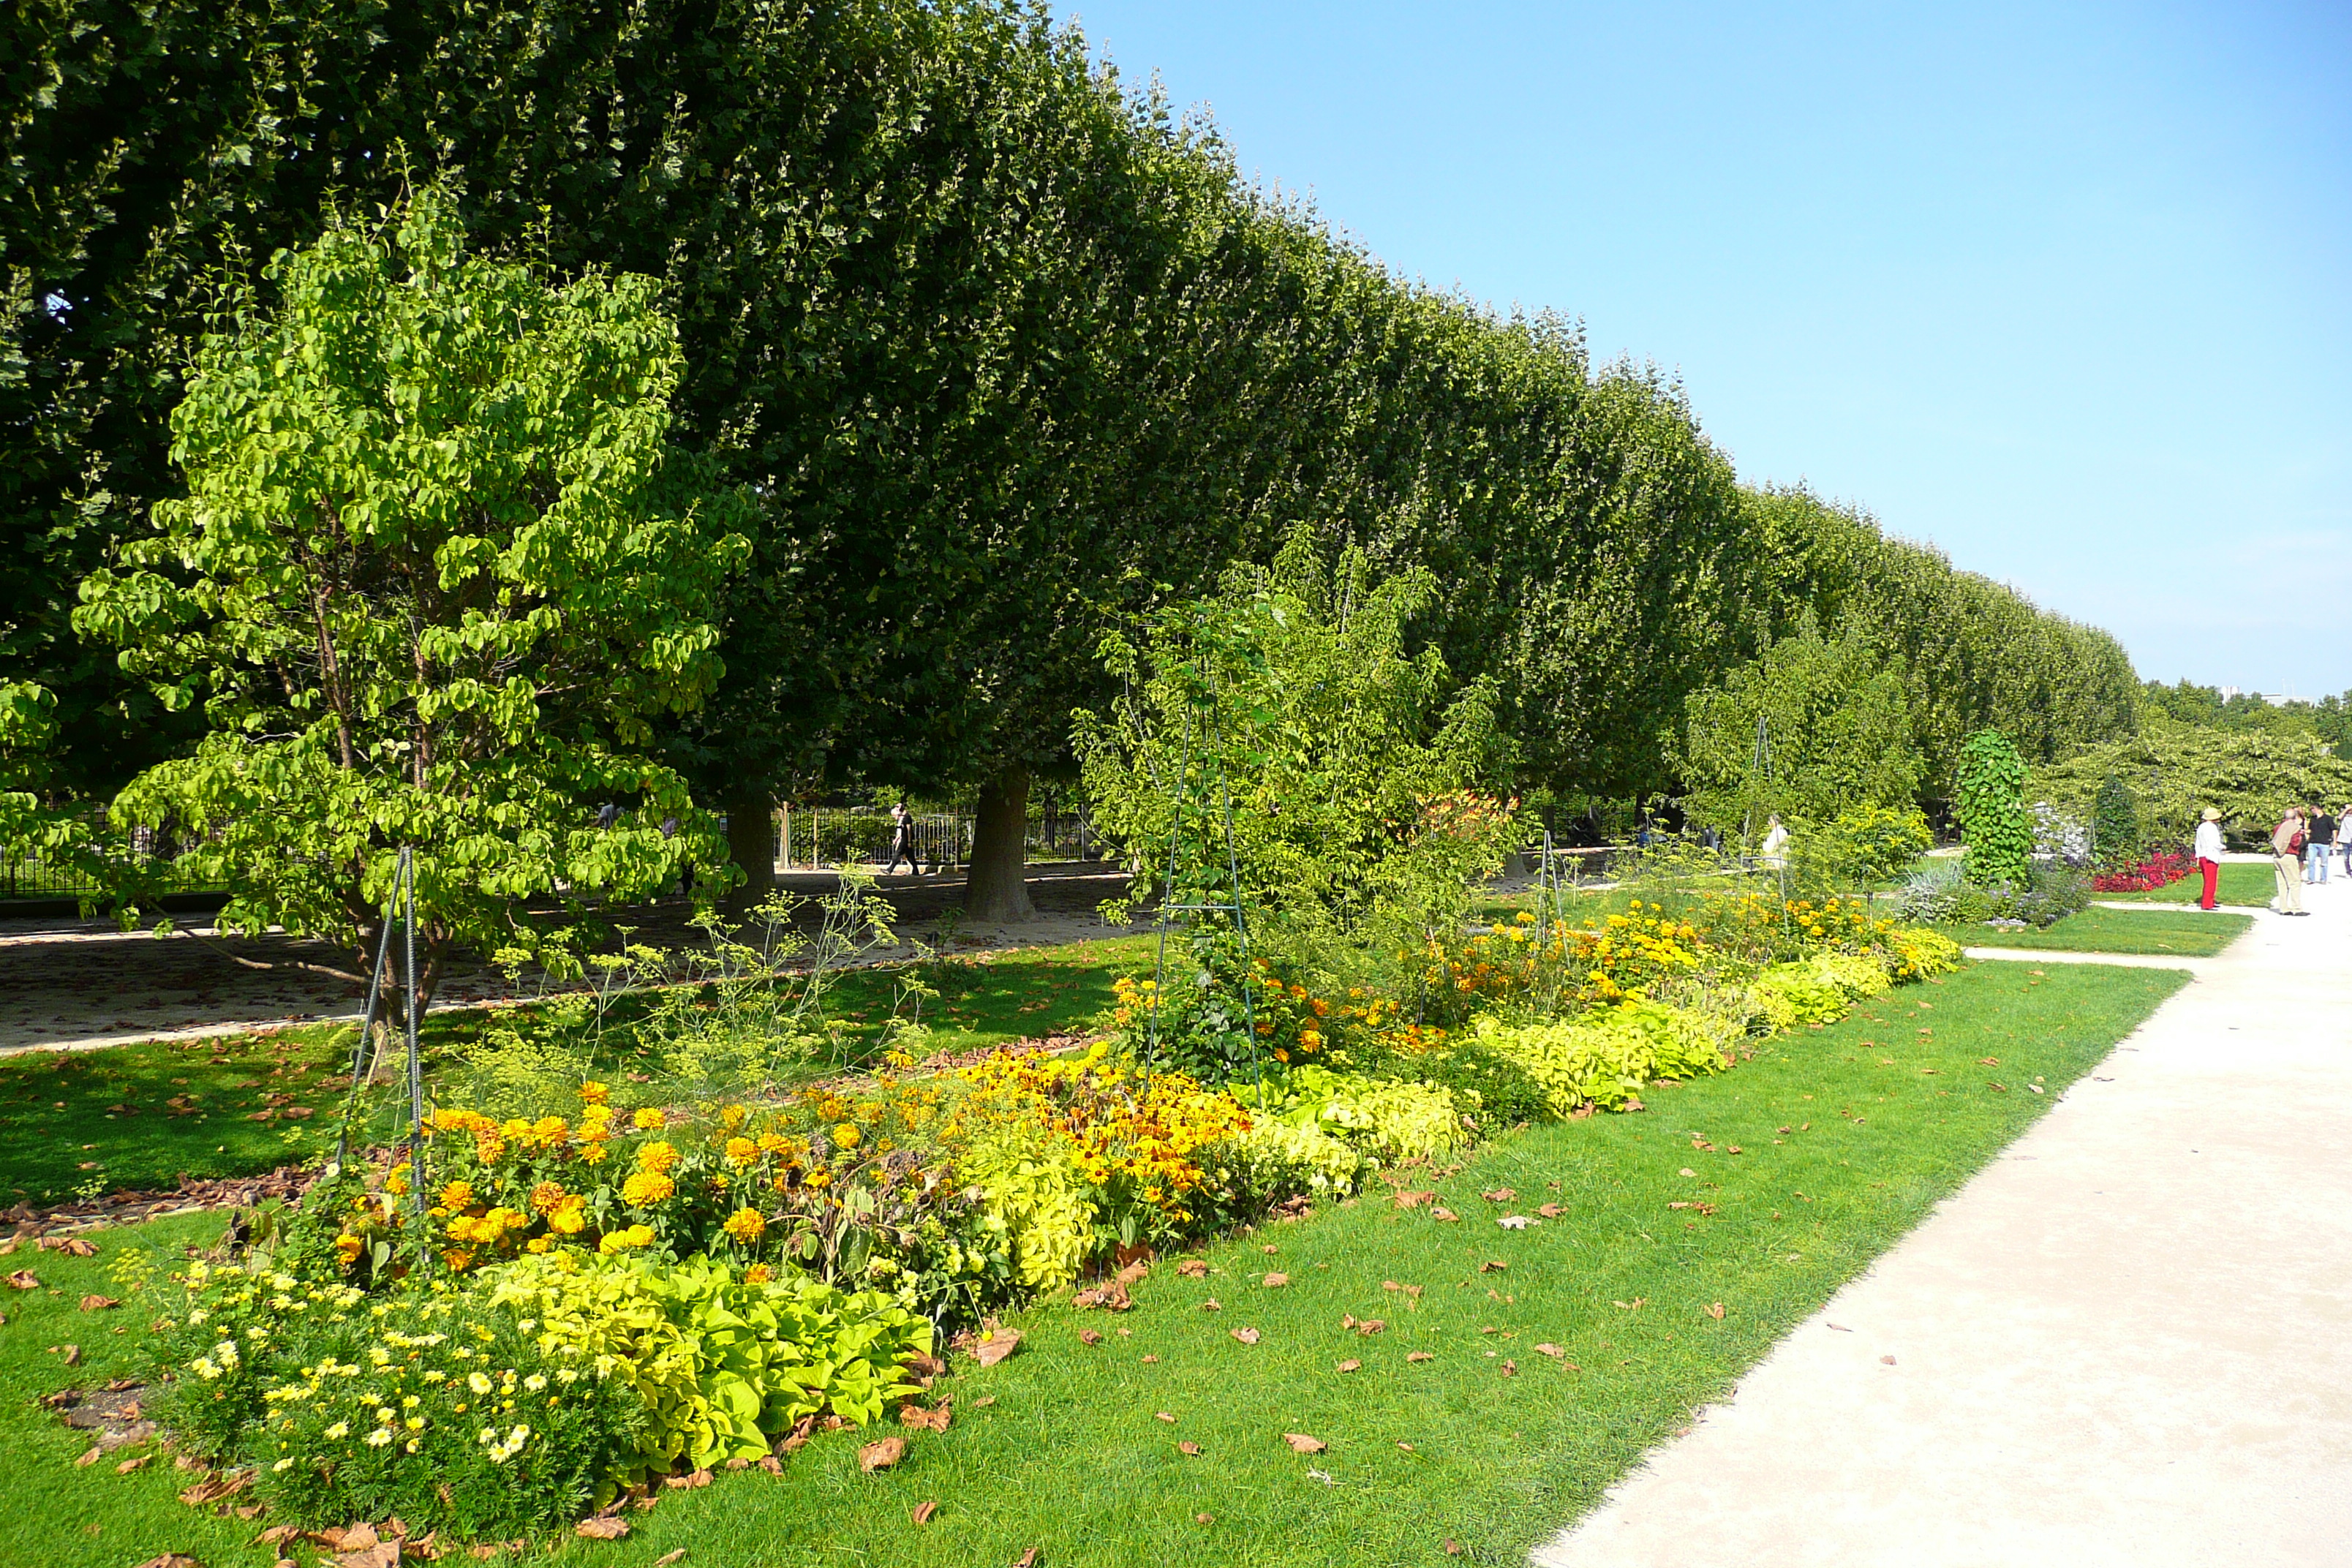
point(999, 352)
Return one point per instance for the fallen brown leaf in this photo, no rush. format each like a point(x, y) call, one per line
point(1246, 1336)
point(1413, 1200)
point(1493, 1266)
point(1499, 1195)
point(1887, 1358)
point(1510, 1369)
point(72, 1355)
point(1193, 1267)
point(667, 1558)
point(1443, 1214)
point(91, 1458)
point(1150, 1359)
point(1550, 1350)
point(1371, 1326)
point(75, 1247)
point(95, 1303)
point(604, 1526)
point(1550, 1210)
point(1300, 1443)
point(1452, 1548)
point(1632, 1305)
point(1026, 1559)
point(1189, 1446)
point(24, 1279)
point(1420, 1355)
point(933, 1420)
point(1715, 1309)
point(1089, 1337)
point(172, 1559)
point(881, 1454)
point(1213, 1305)
point(128, 1466)
point(1275, 1281)
point(922, 1514)
point(1350, 1367)
point(1204, 1518)
point(996, 1346)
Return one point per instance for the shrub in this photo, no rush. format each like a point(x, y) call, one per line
point(1915, 955)
point(1605, 1058)
point(2115, 822)
point(1989, 800)
point(2160, 870)
point(1386, 1119)
point(1935, 894)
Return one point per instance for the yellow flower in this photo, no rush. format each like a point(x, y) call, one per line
point(458, 1195)
point(646, 1188)
point(746, 1226)
point(649, 1117)
point(593, 1093)
point(570, 1217)
point(732, 1116)
point(741, 1150)
point(657, 1157)
point(547, 1196)
point(347, 1247)
point(847, 1135)
point(758, 1274)
point(623, 1240)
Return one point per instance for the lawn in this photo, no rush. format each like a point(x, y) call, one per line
point(2095, 929)
point(2241, 883)
point(138, 1116)
point(1818, 1156)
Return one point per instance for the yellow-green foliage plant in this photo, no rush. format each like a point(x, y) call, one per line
point(1605, 1058)
point(723, 1361)
point(1038, 1206)
point(1387, 1119)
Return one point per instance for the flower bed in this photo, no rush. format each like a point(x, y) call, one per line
point(2160, 870)
point(588, 1298)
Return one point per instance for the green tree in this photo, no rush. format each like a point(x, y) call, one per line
point(2115, 821)
point(2178, 770)
point(1836, 733)
point(438, 574)
point(1989, 801)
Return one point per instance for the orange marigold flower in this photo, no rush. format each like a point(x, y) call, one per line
point(644, 1187)
point(746, 1226)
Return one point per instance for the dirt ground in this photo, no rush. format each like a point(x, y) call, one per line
point(78, 985)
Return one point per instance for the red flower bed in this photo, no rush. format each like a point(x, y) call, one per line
point(2159, 870)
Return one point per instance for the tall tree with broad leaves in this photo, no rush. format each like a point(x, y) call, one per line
point(438, 574)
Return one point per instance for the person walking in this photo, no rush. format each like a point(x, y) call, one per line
point(2209, 857)
point(2322, 831)
point(1776, 844)
point(2286, 859)
point(902, 840)
point(2344, 838)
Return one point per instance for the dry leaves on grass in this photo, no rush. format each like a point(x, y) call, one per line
point(1550, 1350)
point(881, 1454)
point(1443, 1214)
point(688, 1482)
point(1246, 1336)
point(1499, 1195)
point(924, 1510)
point(1189, 1447)
point(995, 1345)
point(24, 1279)
point(1350, 1367)
point(1510, 1369)
point(96, 1303)
point(1406, 1200)
point(1550, 1210)
point(1634, 1305)
point(1715, 1309)
point(1089, 1337)
point(1300, 1443)
point(70, 1354)
point(1365, 1326)
point(172, 1559)
point(1213, 1305)
point(1420, 1356)
point(604, 1526)
point(1193, 1267)
point(1493, 1266)
point(1514, 1222)
point(1028, 1559)
point(1275, 1281)
point(922, 1420)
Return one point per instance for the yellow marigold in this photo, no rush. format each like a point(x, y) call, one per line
point(569, 1217)
point(458, 1195)
point(591, 1153)
point(656, 1156)
point(847, 1135)
point(649, 1117)
point(347, 1249)
point(773, 1144)
point(746, 1226)
point(547, 1196)
point(820, 1178)
point(537, 1243)
point(732, 1117)
point(548, 1131)
point(514, 1130)
point(634, 1236)
point(593, 1093)
point(742, 1150)
point(458, 1260)
point(646, 1188)
point(758, 1274)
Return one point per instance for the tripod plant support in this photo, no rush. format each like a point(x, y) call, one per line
point(399, 908)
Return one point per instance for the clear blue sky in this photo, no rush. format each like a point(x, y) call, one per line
point(2065, 288)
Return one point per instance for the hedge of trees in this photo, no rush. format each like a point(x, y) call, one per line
point(1005, 352)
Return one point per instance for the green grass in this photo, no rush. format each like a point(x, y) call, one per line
point(2095, 929)
point(106, 1119)
point(2241, 883)
point(1068, 1456)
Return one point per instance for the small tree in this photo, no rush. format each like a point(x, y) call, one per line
point(437, 573)
point(1989, 800)
point(2115, 822)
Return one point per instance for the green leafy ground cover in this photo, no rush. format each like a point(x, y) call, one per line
point(2241, 883)
point(1887, 1112)
point(2095, 929)
point(138, 1116)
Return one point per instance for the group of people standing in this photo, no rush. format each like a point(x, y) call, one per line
point(2300, 846)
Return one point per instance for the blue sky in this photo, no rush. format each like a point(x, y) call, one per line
point(2065, 288)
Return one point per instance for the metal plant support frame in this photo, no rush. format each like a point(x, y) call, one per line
point(1233, 871)
point(399, 905)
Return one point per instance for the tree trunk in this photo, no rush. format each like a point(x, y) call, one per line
point(751, 844)
point(995, 888)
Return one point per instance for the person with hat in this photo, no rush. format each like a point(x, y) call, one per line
point(2209, 857)
point(2286, 858)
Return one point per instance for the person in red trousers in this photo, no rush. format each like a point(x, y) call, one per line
point(2209, 857)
